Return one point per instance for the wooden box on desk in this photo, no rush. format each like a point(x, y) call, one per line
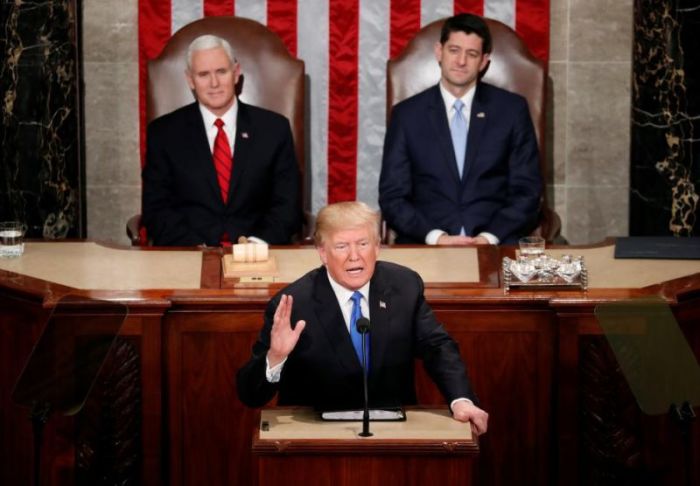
point(296, 447)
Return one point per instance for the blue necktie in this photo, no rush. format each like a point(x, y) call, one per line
point(458, 129)
point(354, 334)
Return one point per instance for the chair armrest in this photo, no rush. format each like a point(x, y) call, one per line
point(307, 229)
point(133, 230)
point(549, 226)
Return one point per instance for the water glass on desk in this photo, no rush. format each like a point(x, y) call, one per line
point(531, 247)
point(11, 239)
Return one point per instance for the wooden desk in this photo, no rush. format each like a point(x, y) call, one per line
point(560, 412)
point(296, 447)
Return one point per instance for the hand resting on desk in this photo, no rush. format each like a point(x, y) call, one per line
point(465, 411)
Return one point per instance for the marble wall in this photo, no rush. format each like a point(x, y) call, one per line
point(590, 71)
point(41, 180)
point(666, 119)
point(113, 167)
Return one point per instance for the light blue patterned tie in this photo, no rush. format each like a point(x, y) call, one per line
point(458, 129)
point(354, 334)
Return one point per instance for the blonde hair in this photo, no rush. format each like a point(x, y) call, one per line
point(208, 42)
point(345, 215)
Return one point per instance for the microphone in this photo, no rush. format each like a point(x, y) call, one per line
point(362, 325)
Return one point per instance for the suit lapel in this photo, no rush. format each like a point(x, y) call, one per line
point(379, 307)
point(438, 119)
point(477, 123)
point(330, 319)
point(241, 148)
point(202, 154)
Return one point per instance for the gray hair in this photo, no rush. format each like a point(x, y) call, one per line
point(209, 42)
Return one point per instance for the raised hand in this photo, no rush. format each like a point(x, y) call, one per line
point(283, 338)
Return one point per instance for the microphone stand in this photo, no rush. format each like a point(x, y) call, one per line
point(363, 329)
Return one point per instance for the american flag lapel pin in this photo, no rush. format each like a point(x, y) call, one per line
point(382, 304)
point(244, 135)
point(481, 114)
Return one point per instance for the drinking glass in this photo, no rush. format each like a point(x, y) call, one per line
point(531, 246)
point(11, 239)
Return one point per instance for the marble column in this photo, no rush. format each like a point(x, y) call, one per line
point(665, 152)
point(41, 181)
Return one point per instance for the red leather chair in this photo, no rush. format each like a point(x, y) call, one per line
point(271, 78)
point(512, 67)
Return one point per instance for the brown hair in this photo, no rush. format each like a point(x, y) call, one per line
point(469, 24)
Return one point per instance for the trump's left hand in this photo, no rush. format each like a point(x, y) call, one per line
point(465, 411)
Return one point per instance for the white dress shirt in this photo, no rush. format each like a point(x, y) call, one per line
point(449, 99)
point(229, 119)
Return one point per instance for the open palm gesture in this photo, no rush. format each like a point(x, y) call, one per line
point(283, 338)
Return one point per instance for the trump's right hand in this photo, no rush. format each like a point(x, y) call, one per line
point(283, 338)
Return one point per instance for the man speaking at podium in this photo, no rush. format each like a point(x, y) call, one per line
point(305, 351)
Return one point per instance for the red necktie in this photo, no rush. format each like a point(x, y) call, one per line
point(222, 159)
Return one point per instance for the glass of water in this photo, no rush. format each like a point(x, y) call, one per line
point(531, 246)
point(11, 239)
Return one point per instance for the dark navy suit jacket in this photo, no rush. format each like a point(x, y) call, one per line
point(182, 202)
point(499, 193)
point(323, 370)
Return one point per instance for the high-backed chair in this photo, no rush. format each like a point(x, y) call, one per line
point(271, 78)
point(512, 67)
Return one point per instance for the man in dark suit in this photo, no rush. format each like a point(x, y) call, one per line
point(219, 169)
point(460, 163)
point(317, 363)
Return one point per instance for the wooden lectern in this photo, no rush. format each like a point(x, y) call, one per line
point(294, 446)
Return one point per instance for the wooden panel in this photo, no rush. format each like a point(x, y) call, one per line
point(363, 470)
point(145, 330)
point(509, 359)
point(21, 322)
point(119, 431)
point(603, 437)
point(108, 432)
point(210, 428)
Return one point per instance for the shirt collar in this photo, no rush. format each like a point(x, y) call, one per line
point(229, 118)
point(449, 99)
point(343, 295)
